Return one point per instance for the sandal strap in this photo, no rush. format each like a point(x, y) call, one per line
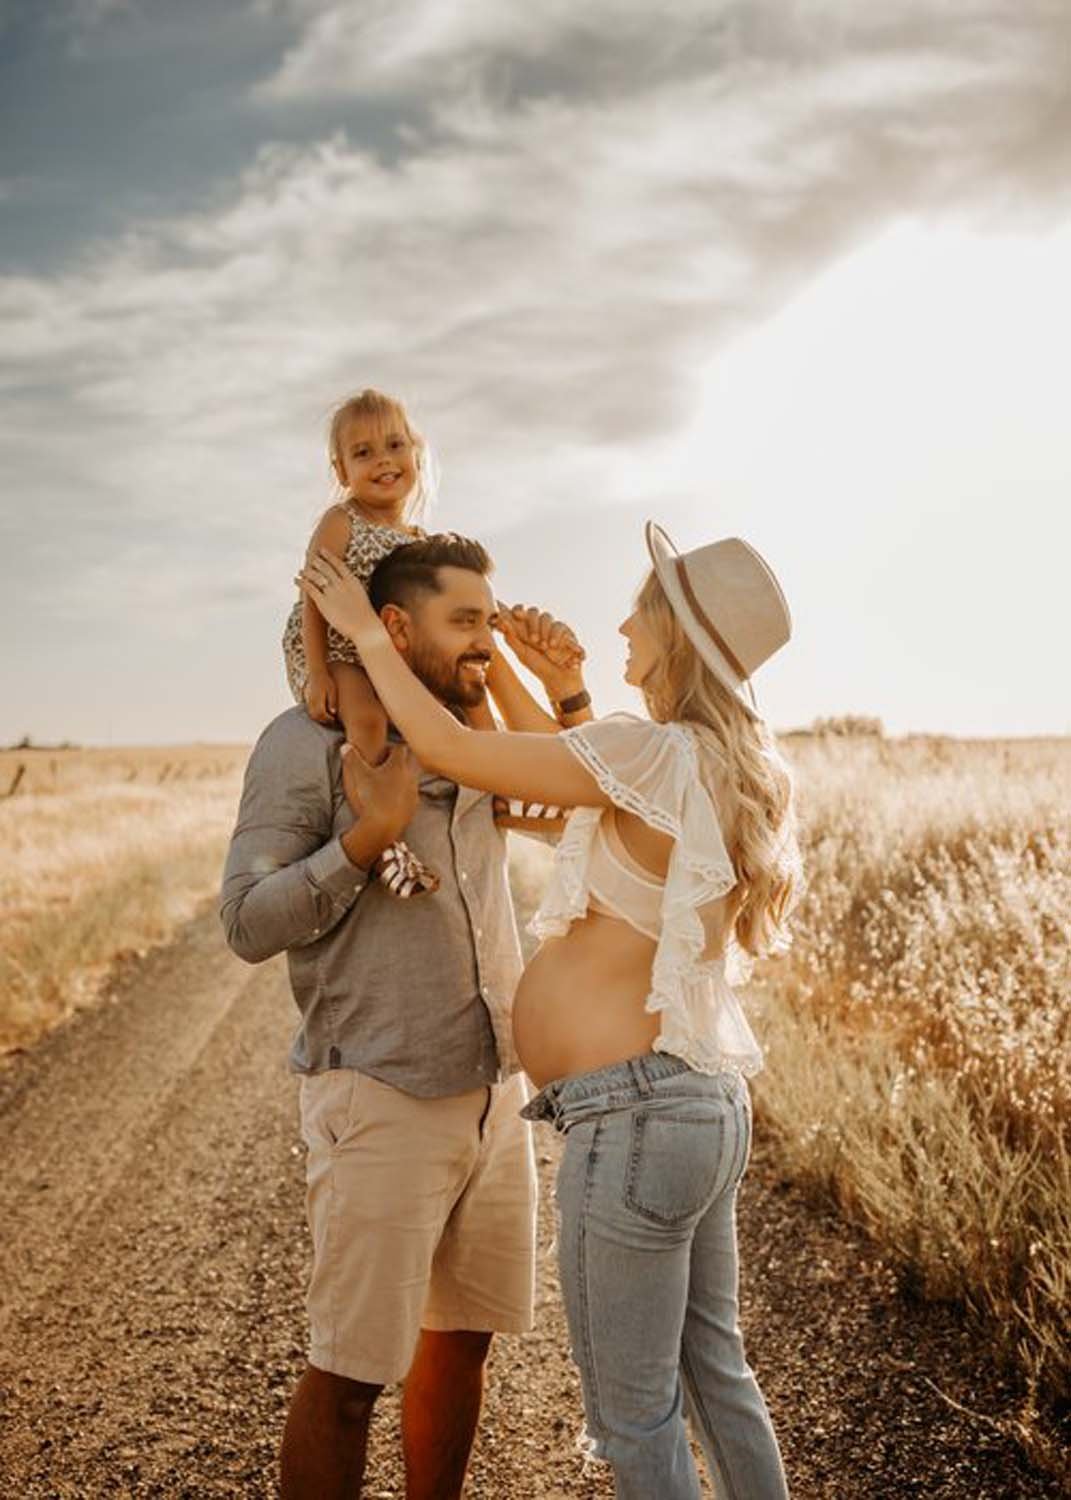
point(519, 809)
point(403, 873)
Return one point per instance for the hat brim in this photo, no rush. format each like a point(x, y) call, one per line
point(664, 556)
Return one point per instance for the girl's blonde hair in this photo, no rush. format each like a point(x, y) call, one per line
point(739, 757)
point(380, 410)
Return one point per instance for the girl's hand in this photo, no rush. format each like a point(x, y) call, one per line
point(321, 697)
point(545, 646)
point(338, 596)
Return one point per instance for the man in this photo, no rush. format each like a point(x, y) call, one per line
point(421, 1189)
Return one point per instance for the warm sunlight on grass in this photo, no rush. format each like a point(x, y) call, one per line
point(917, 1036)
point(111, 861)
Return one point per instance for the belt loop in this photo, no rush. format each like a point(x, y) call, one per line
point(639, 1077)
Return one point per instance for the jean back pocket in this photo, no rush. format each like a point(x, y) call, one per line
point(678, 1163)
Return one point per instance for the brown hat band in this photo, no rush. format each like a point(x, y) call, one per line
point(706, 622)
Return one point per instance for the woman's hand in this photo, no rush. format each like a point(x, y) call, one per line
point(339, 597)
point(547, 647)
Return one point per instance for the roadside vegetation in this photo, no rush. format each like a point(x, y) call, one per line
point(918, 1034)
point(103, 853)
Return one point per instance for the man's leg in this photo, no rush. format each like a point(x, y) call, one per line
point(326, 1437)
point(440, 1409)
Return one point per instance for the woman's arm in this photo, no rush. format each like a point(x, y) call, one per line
point(331, 533)
point(531, 767)
point(550, 650)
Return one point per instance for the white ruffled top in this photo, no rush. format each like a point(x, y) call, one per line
point(652, 770)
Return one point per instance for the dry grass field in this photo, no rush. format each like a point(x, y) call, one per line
point(917, 1035)
point(104, 852)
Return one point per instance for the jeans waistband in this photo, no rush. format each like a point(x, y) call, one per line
point(563, 1101)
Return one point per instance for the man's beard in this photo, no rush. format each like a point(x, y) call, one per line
point(446, 679)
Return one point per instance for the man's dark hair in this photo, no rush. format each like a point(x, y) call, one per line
point(411, 571)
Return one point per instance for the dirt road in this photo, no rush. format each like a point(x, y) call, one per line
point(153, 1255)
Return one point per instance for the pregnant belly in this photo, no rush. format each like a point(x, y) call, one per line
point(580, 1002)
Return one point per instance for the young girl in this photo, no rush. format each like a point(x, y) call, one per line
point(680, 852)
point(383, 468)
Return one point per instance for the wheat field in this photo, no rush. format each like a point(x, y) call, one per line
point(916, 1035)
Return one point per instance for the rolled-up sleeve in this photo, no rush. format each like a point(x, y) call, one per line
point(287, 880)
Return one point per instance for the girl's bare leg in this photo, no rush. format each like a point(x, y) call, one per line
point(365, 722)
point(363, 716)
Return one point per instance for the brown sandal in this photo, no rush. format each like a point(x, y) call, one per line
point(528, 817)
point(401, 873)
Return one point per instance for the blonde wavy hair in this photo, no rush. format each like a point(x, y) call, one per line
point(742, 769)
point(381, 410)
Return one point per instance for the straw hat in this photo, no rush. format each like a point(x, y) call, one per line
point(729, 604)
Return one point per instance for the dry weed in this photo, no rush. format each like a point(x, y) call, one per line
point(917, 1035)
point(91, 873)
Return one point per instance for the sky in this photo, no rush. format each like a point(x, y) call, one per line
point(793, 271)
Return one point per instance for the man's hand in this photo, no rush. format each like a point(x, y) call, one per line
point(321, 696)
point(544, 645)
point(383, 798)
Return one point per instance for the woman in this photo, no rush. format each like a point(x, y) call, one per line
point(681, 851)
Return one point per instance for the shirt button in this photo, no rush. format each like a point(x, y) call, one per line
point(479, 932)
point(463, 875)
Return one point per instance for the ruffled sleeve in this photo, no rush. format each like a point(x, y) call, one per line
point(652, 770)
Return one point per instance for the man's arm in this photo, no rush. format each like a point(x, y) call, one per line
point(288, 880)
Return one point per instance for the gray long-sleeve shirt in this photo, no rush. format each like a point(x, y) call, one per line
point(416, 993)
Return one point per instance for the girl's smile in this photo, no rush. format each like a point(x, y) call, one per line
point(376, 463)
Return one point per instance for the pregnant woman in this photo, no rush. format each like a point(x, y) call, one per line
point(681, 852)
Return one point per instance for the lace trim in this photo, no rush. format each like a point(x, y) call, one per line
point(706, 1057)
point(566, 898)
point(621, 795)
point(630, 800)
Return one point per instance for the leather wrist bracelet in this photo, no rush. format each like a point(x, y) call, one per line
point(574, 704)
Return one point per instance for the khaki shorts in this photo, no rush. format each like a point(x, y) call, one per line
point(422, 1213)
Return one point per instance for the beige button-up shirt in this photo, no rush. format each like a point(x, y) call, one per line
point(417, 993)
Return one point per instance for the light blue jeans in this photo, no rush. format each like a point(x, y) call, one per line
point(647, 1254)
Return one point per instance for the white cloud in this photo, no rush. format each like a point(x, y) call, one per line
point(546, 278)
point(427, 49)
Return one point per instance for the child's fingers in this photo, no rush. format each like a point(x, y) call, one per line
point(558, 636)
point(540, 625)
point(506, 623)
